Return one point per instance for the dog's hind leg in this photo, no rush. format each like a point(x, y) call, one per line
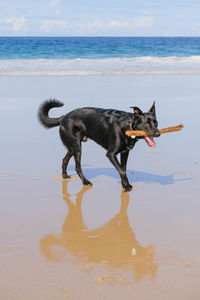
point(72, 140)
point(65, 164)
point(77, 157)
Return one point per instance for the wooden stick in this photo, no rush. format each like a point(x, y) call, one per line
point(136, 133)
point(171, 129)
point(163, 130)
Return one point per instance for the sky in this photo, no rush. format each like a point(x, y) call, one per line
point(99, 18)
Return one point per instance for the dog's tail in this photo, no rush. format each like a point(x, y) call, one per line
point(43, 112)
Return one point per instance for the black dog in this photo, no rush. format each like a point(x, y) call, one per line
point(104, 126)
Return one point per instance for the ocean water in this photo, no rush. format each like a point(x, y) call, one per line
point(99, 55)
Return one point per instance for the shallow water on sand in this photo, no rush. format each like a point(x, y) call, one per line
point(60, 240)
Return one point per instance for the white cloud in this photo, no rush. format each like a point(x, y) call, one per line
point(137, 22)
point(61, 26)
point(58, 11)
point(94, 24)
point(143, 22)
point(117, 24)
point(52, 25)
point(16, 23)
point(54, 3)
point(145, 12)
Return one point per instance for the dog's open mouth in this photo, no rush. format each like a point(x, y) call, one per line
point(150, 141)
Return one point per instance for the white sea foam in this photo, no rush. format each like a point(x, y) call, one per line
point(136, 65)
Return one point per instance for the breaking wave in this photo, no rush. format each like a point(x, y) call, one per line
point(122, 66)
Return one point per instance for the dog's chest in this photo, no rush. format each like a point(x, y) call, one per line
point(131, 143)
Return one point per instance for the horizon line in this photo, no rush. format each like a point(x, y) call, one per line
point(98, 36)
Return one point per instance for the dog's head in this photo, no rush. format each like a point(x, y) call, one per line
point(146, 122)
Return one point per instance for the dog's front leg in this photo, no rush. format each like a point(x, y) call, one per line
point(124, 179)
point(124, 157)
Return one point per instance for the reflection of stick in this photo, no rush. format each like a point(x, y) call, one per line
point(164, 130)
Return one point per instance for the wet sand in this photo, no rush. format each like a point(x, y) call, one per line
point(60, 240)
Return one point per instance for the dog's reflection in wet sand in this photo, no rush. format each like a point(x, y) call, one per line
point(113, 244)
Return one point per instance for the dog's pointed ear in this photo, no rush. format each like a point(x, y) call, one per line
point(136, 111)
point(153, 109)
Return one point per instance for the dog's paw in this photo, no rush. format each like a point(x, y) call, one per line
point(65, 176)
point(87, 182)
point(128, 188)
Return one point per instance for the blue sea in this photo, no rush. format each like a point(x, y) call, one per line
point(99, 55)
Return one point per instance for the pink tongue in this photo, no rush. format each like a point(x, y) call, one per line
point(150, 141)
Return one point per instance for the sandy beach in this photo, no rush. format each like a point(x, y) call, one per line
point(62, 241)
